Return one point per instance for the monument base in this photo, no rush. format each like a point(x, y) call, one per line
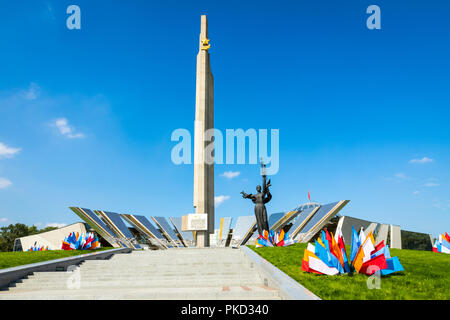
point(202, 239)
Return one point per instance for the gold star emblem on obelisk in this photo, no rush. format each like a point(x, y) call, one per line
point(205, 44)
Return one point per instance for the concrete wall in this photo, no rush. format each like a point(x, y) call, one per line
point(346, 224)
point(52, 239)
point(382, 234)
point(380, 230)
point(396, 237)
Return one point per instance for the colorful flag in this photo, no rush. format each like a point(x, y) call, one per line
point(329, 257)
point(341, 245)
point(355, 245)
point(271, 239)
point(75, 241)
point(442, 244)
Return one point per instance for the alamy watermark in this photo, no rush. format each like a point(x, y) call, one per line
point(73, 22)
point(74, 279)
point(374, 281)
point(216, 152)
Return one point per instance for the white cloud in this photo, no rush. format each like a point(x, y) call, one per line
point(3, 219)
point(33, 92)
point(55, 224)
point(416, 192)
point(220, 199)
point(230, 174)
point(437, 204)
point(421, 161)
point(431, 184)
point(4, 183)
point(62, 124)
point(7, 152)
point(400, 175)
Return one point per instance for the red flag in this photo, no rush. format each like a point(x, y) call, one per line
point(379, 261)
point(342, 245)
point(309, 196)
point(305, 262)
point(378, 247)
point(328, 237)
point(447, 237)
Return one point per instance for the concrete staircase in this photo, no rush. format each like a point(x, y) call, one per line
point(219, 273)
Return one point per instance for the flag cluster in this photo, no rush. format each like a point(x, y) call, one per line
point(328, 255)
point(271, 239)
point(35, 247)
point(76, 242)
point(442, 245)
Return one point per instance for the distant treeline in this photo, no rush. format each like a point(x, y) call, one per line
point(13, 231)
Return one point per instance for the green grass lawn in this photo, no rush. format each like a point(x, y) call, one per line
point(14, 259)
point(426, 276)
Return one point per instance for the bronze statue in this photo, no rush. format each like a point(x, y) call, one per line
point(259, 200)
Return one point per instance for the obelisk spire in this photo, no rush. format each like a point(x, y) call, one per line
point(204, 27)
point(204, 120)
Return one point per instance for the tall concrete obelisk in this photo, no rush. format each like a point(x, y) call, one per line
point(204, 120)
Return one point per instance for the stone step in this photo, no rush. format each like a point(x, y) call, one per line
point(130, 283)
point(167, 261)
point(145, 274)
point(141, 281)
point(208, 266)
point(169, 274)
point(43, 282)
point(165, 266)
point(148, 275)
point(258, 292)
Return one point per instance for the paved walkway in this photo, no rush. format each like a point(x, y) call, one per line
point(210, 273)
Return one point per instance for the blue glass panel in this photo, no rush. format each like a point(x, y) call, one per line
point(274, 218)
point(187, 235)
point(301, 217)
point(322, 212)
point(118, 222)
point(146, 223)
point(97, 220)
point(225, 228)
point(243, 225)
point(166, 227)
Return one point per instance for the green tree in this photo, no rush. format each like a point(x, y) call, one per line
point(13, 231)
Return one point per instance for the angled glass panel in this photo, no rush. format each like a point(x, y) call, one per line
point(166, 227)
point(94, 222)
point(274, 218)
point(225, 228)
point(302, 216)
point(187, 235)
point(119, 224)
point(243, 226)
point(321, 213)
point(155, 238)
point(98, 221)
point(146, 223)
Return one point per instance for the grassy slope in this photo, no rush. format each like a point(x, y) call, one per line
point(426, 276)
point(13, 259)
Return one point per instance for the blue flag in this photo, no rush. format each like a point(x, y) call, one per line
point(355, 244)
point(393, 265)
point(327, 257)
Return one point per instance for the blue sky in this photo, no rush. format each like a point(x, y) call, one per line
point(86, 115)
